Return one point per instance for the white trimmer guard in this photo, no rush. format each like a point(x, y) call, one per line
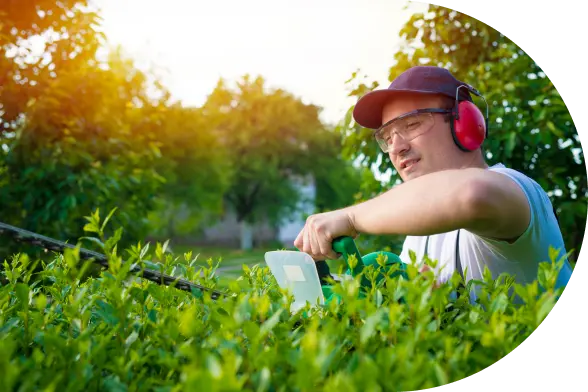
point(296, 271)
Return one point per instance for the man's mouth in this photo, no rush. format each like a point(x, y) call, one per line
point(407, 164)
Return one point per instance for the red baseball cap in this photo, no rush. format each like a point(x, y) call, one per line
point(420, 79)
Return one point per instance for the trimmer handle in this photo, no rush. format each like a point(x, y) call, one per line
point(346, 246)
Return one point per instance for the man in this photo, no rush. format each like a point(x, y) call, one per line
point(451, 205)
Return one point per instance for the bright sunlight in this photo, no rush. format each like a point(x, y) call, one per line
point(309, 48)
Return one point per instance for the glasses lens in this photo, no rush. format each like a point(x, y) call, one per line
point(407, 128)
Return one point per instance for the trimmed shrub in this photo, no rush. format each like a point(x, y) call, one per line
point(63, 329)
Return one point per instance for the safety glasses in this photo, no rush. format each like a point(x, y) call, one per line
point(407, 126)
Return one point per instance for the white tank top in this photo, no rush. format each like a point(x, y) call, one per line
point(520, 259)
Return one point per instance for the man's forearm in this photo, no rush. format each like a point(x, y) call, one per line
point(434, 203)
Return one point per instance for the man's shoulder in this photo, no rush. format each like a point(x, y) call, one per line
point(543, 216)
point(501, 168)
point(525, 181)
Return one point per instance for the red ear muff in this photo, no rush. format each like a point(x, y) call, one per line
point(469, 127)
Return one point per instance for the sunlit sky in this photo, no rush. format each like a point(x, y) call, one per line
point(309, 48)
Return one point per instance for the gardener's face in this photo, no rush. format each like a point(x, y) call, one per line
point(432, 148)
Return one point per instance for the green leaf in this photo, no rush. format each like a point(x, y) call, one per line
point(545, 307)
point(499, 304)
point(265, 379)
point(369, 327)
point(144, 251)
point(270, 323)
point(441, 375)
point(131, 339)
point(94, 240)
point(152, 315)
point(554, 129)
point(214, 367)
point(92, 228)
point(108, 218)
point(107, 313)
point(22, 293)
point(116, 237)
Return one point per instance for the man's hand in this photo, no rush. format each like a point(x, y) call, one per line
point(316, 238)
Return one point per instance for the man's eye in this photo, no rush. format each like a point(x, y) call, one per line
point(413, 125)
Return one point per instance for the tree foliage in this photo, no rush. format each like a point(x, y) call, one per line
point(195, 166)
point(80, 146)
point(530, 128)
point(66, 32)
point(82, 133)
point(273, 140)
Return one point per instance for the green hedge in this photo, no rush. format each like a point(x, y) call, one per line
point(63, 330)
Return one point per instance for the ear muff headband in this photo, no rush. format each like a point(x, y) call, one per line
point(469, 127)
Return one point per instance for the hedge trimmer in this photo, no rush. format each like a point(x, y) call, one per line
point(39, 240)
point(298, 272)
point(293, 270)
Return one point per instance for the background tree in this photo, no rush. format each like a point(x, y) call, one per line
point(39, 40)
point(79, 133)
point(196, 170)
point(79, 147)
point(275, 142)
point(337, 184)
point(530, 127)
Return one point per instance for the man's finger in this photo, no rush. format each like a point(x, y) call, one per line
point(324, 246)
point(307, 246)
point(333, 255)
point(314, 245)
point(298, 242)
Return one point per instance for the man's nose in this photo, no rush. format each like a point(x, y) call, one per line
point(399, 145)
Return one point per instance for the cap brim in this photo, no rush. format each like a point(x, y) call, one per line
point(368, 110)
